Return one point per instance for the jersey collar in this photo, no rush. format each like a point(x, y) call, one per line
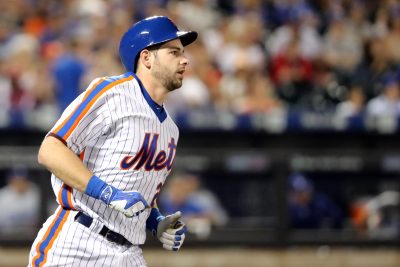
point(157, 109)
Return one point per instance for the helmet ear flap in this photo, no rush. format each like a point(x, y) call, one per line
point(148, 32)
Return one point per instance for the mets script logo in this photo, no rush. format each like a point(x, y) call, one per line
point(148, 158)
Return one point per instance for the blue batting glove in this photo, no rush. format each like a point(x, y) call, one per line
point(129, 203)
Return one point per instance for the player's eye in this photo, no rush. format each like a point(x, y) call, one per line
point(175, 52)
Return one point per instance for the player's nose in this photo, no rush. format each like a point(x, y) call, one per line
point(184, 60)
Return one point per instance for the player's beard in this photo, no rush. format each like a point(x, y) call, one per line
point(167, 78)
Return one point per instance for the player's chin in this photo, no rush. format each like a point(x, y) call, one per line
point(172, 88)
point(176, 84)
point(179, 83)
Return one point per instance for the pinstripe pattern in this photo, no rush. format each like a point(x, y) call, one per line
point(95, 252)
point(105, 124)
point(49, 237)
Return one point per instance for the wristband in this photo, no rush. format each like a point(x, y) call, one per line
point(95, 187)
point(154, 218)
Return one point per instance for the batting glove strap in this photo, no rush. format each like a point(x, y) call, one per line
point(153, 220)
point(99, 189)
point(129, 203)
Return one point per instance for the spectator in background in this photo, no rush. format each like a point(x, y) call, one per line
point(387, 103)
point(310, 209)
point(29, 84)
point(19, 204)
point(20, 55)
point(377, 215)
point(291, 73)
point(198, 15)
point(358, 19)
point(374, 67)
point(260, 97)
point(242, 47)
point(383, 215)
point(68, 70)
point(5, 92)
point(393, 36)
point(201, 209)
point(342, 48)
point(299, 24)
point(353, 105)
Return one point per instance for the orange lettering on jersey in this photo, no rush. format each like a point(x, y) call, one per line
point(148, 157)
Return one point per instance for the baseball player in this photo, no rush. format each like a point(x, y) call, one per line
point(110, 153)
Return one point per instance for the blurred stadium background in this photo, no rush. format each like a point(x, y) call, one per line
point(289, 152)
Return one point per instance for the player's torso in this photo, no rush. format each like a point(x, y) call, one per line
point(135, 152)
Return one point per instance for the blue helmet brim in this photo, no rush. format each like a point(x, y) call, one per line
point(187, 37)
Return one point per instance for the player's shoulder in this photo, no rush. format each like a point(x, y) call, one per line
point(117, 84)
point(127, 76)
point(113, 81)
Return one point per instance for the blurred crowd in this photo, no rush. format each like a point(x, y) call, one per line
point(201, 207)
point(253, 57)
point(374, 213)
point(20, 201)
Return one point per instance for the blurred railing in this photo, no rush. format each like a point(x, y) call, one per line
point(283, 121)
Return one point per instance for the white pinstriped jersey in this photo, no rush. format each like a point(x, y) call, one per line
point(123, 137)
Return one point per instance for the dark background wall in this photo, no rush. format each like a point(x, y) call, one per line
point(249, 174)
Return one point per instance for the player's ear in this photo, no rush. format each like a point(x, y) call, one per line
point(144, 58)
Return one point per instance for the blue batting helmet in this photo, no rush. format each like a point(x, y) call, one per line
point(148, 32)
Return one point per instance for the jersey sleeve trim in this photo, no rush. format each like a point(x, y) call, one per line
point(71, 122)
point(59, 138)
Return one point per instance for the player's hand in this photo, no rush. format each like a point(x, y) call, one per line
point(171, 231)
point(129, 203)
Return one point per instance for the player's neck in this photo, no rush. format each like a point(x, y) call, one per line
point(157, 92)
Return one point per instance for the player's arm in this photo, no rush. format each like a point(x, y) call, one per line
point(168, 229)
point(63, 163)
